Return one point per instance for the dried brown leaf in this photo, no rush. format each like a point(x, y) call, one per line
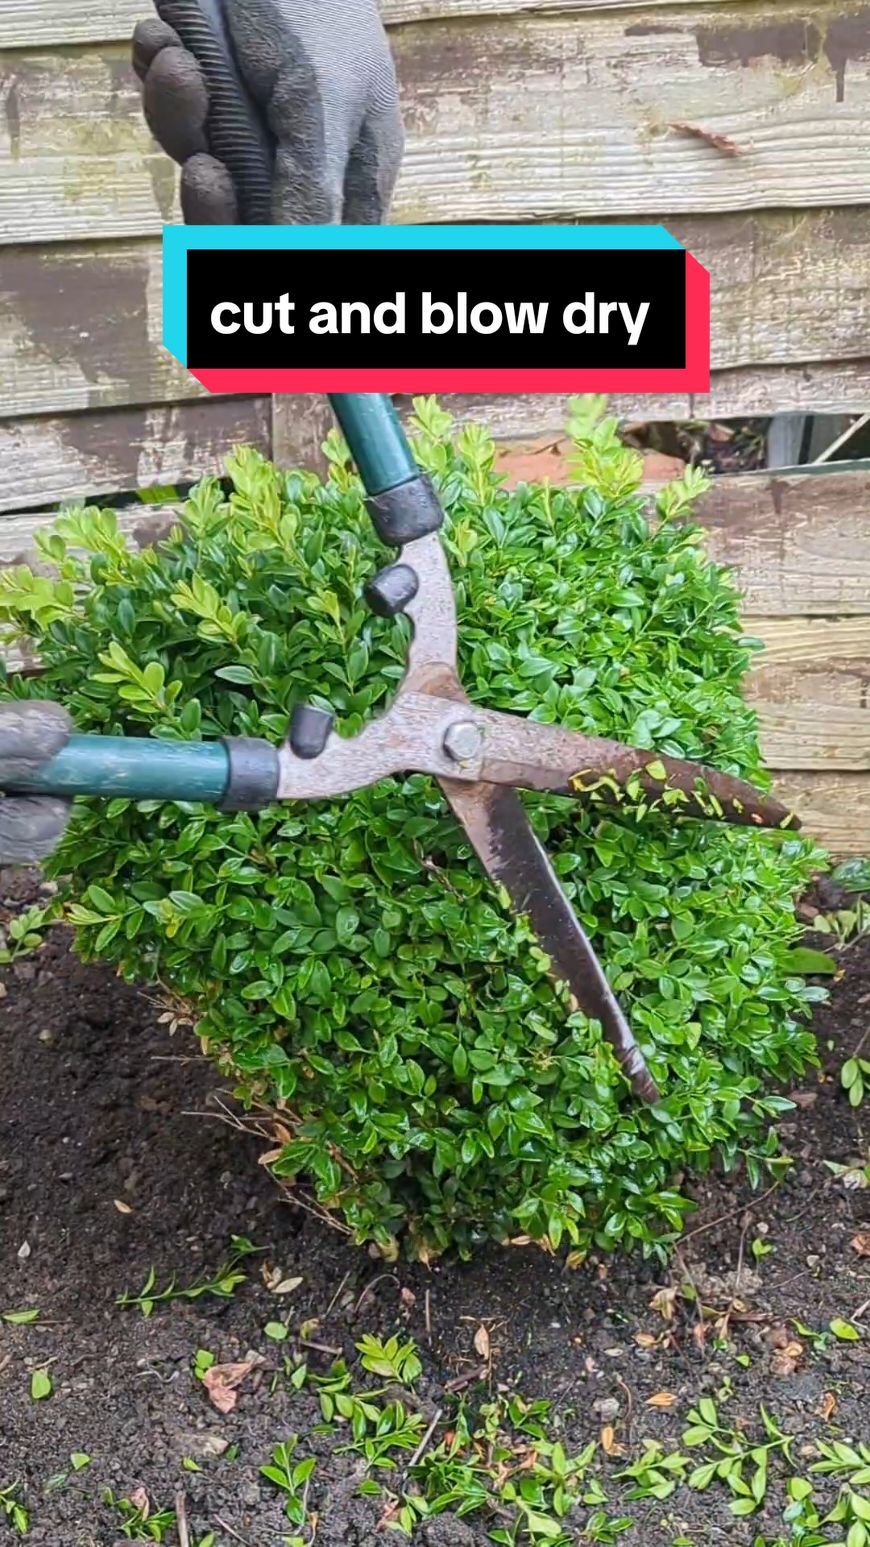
point(664, 1301)
point(828, 1406)
point(222, 1382)
point(645, 1340)
point(482, 1344)
point(662, 1399)
point(860, 1243)
point(140, 1500)
point(717, 141)
point(609, 1442)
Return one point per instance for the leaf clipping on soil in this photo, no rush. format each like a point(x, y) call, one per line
point(40, 1385)
point(223, 1380)
point(482, 1343)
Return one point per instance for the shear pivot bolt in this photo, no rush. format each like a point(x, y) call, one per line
point(463, 741)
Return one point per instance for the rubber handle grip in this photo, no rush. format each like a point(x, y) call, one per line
point(236, 132)
point(238, 774)
point(135, 766)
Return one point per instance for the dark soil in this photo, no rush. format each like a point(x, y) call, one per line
point(96, 1111)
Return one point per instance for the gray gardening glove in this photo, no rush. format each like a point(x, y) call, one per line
point(31, 733)
point(322, 76)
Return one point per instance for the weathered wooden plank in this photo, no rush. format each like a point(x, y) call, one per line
point(512, 118)
point(82, 456)
point(145, 524)
point(802, 646)
point(81, 327)
point(834, 808)
point(81, 324)
point(837, 387)
point(42, 22)
point(810, 687)
point(800, 542)
point(822, 736)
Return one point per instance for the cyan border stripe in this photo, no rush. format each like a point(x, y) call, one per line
point(179, 240)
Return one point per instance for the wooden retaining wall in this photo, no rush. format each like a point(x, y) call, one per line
point(741, 125)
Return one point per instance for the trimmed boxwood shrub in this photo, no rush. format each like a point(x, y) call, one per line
point(346, 962)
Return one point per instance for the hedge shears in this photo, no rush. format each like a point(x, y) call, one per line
point(480, 757)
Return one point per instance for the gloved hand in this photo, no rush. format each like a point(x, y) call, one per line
point(31, 733)
point(322, 76)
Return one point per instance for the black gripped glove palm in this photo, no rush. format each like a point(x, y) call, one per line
point(31, 733)
point(321, 77)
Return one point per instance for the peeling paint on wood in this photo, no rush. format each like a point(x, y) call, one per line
point(790, 42)
point(81, 327)
point(81, 456)
point(81, 324)
point(848, 38)
point(524, 117)
point(38, 23)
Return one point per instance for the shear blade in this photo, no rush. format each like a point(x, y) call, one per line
point(499, 831)
point(533, 756)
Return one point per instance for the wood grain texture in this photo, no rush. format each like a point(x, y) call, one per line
point(833, 807)
point(800, 542)
point(81, 323)
point(83, 456)
point(36, 23)
point(540, 117)
point(752, 391)
point(811, 688)
point(819, 736)
point(81, 327)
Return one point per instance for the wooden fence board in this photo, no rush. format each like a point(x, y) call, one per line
point(81, 323)
point(800, 542)
point(512, 118)
point(41, 22)
point(811, 688)
point(749, 392)
point(80, 456)
point(833, 807)
point(81, 327)
point(820, 737)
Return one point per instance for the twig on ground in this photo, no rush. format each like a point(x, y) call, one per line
point(428, 1312)
point(740, 1252)
point(425, 1441)
point(337, 1296)
point(369, 1289)
point(629, 1399)
point(461, 1381)
point(181, 1520)
point(225, 1526)
point(859, 1047)
point(700, 1331)
point(322, 1348)
point(792, 1278)
point(732, 1214)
